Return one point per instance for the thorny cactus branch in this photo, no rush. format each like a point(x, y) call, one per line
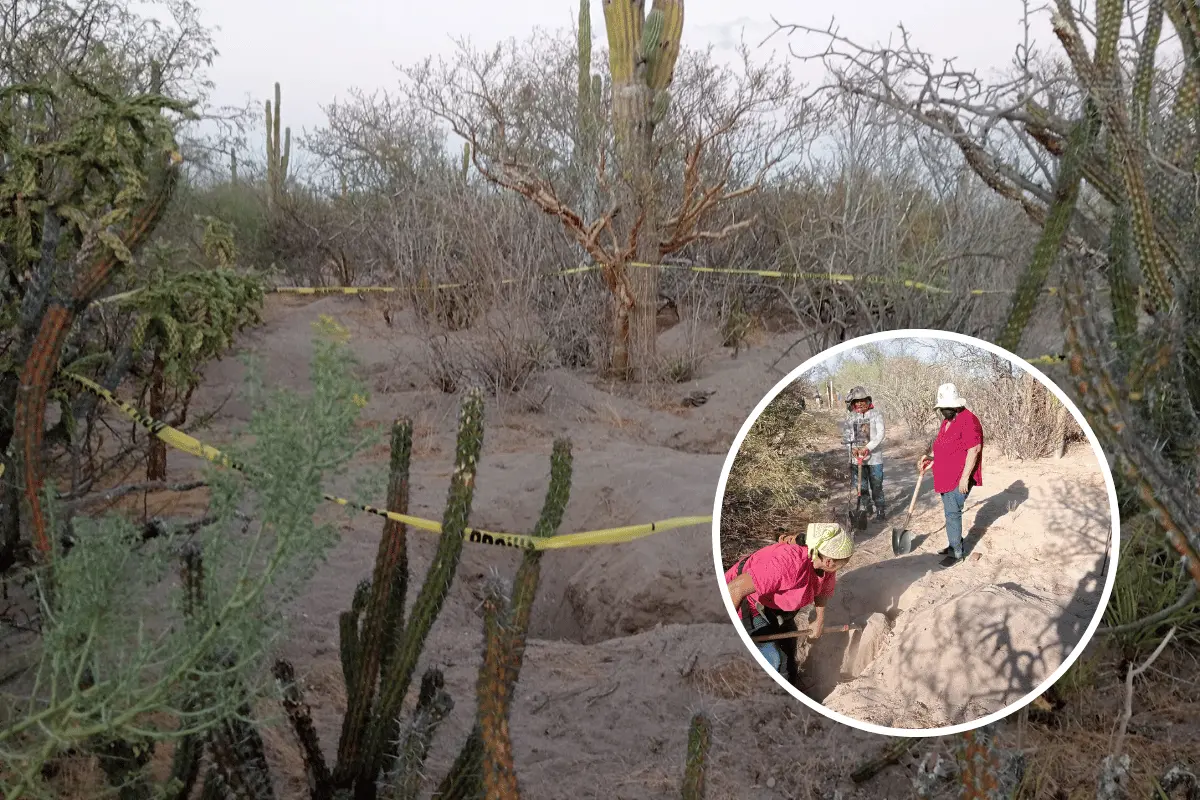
point(384, 609)
point(300, 716)
point(433, 592)
point(696, 768)
point(1111, 417)
point(434, 704)
point(464, 780)
point(1058, 219)
point(98, 256)
point(494, 694)
point(1111, 106)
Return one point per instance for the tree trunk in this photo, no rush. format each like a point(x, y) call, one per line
point(156, 459)
point(634, 350)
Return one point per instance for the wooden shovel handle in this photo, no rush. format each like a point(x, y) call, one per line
point(917, 490)
point(793, 634)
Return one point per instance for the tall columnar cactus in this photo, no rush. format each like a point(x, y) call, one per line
point(381, 732)
point(642, 52)
point(277, 156)
point(466, 162)
point(465, 778)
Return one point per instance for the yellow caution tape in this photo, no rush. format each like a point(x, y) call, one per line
point(834, 277)
point(187, 444)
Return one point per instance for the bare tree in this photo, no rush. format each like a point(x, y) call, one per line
point(664, 177)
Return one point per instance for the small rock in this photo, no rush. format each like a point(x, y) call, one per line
point(770, 783)
point(976, 556)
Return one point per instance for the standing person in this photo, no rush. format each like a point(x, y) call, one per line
point(786, 577)
point(956, 455)
point(863, 430)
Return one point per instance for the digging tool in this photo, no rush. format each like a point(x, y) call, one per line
point(770, 637)
point(858, 517)
point(902, 537)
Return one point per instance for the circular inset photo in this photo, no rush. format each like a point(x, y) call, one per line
point(915, 533)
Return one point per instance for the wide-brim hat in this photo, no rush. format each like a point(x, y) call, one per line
point(948, 397)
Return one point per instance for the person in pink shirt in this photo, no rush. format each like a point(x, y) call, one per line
point(956, 456)
point(786, 577)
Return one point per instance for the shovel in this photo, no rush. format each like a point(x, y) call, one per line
point(858, 517)
point(902, 537)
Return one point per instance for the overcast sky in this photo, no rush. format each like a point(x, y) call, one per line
point(319, 49)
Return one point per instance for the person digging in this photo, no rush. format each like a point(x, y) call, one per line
point(768, 586)
point(956, 456)
point(863, 430)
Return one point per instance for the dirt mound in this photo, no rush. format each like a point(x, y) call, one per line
point(958, 660)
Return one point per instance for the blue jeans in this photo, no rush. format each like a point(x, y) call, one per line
point(953, 503)
point(873, 484)
point(770, 650)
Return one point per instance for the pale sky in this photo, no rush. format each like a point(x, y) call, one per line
point(319, 50)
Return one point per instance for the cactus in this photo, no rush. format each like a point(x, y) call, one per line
point(588, 114)
point(233, 165)
point(403, 782)
point(695, 770)
point(494, 693)
point(394, 685)
point(277, 157)
point(465, 778)
point(383, 603)
point(1058, 219)
point(466, 162)
point(642, 52)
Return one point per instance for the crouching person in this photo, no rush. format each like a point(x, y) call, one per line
point(768, 586)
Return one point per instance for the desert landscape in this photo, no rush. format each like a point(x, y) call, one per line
point(506, 270)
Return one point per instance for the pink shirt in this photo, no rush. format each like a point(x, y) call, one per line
point(955, 437)
point(784, 578)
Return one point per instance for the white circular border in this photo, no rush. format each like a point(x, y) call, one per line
point(1104, 595)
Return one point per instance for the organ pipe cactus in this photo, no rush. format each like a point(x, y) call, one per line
point(277, 156)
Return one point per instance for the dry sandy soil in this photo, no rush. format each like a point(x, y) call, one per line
point(947, 646)
point(629, 640)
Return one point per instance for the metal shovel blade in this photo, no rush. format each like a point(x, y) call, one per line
point(902, 541)
point(858, 519)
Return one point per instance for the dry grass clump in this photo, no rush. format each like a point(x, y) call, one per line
point(777, 481)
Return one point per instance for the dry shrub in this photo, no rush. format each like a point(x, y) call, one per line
point(500, 353)
point(775, 483)
point(1021, 418)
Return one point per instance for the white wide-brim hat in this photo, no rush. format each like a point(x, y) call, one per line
point(948, 397)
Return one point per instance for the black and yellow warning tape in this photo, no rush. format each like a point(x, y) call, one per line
point(188, 444)
point(835, 277)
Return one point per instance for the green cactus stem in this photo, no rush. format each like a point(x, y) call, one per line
point(350, 644)
point(466, 161)
point(1058, 220)
point(1123, 296)
point(465, 777)
point(277, 156)
point(384, 609)
point(696, 768)
point(433, 705)
point(433, 592)
point(300, 716)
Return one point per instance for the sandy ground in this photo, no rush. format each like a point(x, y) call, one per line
point(629, 640)
point(949, 646)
